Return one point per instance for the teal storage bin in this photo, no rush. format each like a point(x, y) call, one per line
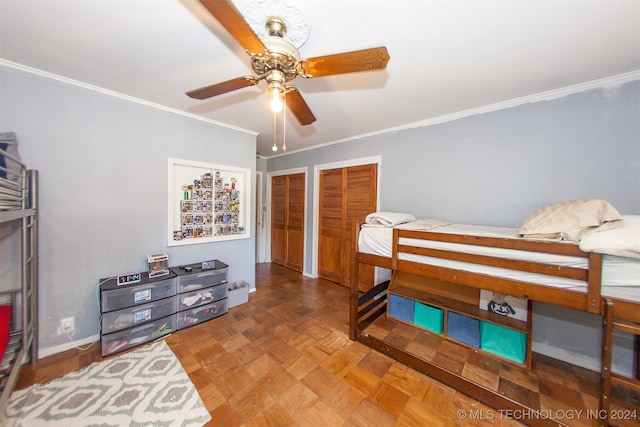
point(428, 317)
point(401, 308)
point(464, 329)
point(503, 342)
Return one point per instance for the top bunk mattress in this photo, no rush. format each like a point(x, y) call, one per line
point(620, 275)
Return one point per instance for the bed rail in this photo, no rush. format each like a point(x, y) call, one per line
point(367, 306)
point(590, 276)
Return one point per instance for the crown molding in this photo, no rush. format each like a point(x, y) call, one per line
point(45, 74)
point(606, 82)
point(603, 83)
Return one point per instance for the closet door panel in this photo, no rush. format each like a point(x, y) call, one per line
point(278, 219)
point(346, 194)
point(295, 222)
point(360, 200)
point(330, 230)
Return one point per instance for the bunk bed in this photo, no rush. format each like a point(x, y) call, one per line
point(443, 266)
point(18, 270)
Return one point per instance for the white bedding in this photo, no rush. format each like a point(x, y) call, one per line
point(621, 275)
point(388, 219)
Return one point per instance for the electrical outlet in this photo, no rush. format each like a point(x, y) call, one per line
point(67, 326)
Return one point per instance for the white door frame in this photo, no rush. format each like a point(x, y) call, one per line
point(260, 219)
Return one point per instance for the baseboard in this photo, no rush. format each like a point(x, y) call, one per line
point(50, 351)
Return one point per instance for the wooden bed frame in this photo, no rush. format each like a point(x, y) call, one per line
point(366, 307)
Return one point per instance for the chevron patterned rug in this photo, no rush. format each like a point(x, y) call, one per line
point(145, 387)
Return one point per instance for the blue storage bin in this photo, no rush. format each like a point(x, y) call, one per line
point(464, 329)
point(504, 342)
point(401, 308)
point(428, 317)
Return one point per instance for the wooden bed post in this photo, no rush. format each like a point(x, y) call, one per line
point(394, 249)
point(637, 353)
point(353, 297)
point(594, 282)
point(605, 374)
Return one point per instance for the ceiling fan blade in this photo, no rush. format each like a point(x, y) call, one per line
point(348, 62)
point(231, 19)
point(224, 87)
point(299, 107)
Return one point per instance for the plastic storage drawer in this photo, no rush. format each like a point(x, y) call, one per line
point(116, 298)
point(201, 280)
point(127, 338)
point(192, 277)
point(115, 320)
point(201, 314)
point(201, 296)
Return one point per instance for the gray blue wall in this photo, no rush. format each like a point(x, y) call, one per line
point(103, 193)
point(103, 166)
point(496, 168)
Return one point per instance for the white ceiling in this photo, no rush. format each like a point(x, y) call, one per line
point(447, 56)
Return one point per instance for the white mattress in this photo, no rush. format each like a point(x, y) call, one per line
point(620, 276)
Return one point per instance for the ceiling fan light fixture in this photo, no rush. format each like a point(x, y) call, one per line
point(271, 32)
point(276, 103)
point(275, 89)
point(275, 133)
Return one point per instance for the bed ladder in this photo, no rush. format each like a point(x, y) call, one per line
point(610, 322)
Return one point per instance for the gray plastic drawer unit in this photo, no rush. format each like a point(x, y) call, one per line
point(114, 297)
point(203, 296)
point(127, 338)
point(201, 314)
point(132, 316)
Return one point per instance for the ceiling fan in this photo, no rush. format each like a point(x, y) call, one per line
point(277, 61)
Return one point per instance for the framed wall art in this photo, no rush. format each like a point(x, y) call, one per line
point(207, 202)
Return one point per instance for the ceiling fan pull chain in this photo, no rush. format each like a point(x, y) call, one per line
point(284, 123)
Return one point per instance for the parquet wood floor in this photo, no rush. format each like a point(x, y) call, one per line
point(285, 359)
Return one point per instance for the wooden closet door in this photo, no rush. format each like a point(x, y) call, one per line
point(345, 195)
point(360, 200)
point(330, 227)
point(295, 222)
point(287, 220)
point(278, 219)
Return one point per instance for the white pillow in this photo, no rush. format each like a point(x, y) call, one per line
point(388, 219)
point(621, 241)
point(569, 220)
